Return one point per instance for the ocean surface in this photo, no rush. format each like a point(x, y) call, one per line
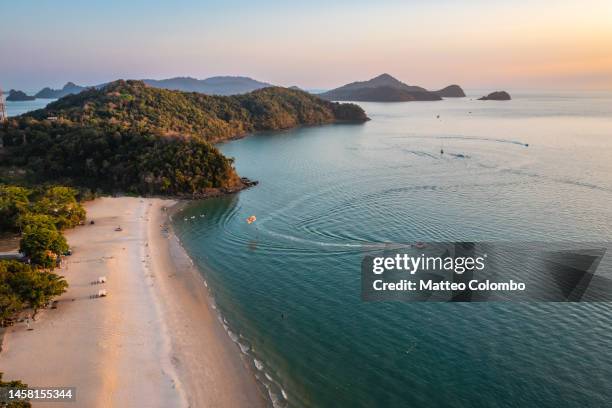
point(287, 287)
point(14, 108)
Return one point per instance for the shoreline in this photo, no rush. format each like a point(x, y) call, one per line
point(153, 341)
point(191, 284)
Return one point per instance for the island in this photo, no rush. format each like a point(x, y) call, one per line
point(385, 88)
point(69, 88)
point(15, 96)
point(219, 85)
point(451, 91)
point(496, 96)
point(132, 138)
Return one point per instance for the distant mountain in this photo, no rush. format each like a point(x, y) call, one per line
point(451, 91)
point(69, 88)
point(496, 96)
point(220, 85)
point(15, 96)
point(383, 88)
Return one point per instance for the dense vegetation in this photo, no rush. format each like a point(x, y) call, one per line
point(23, 285)
point(112, 159)
point(131, 137)
point(54, 205)
point(14, 384)
point(40, 215)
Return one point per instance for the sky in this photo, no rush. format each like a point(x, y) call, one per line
point(557, 45)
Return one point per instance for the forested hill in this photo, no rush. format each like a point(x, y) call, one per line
point(132, 104)
point(130, 137)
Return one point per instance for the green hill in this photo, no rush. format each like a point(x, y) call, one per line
point(130, 137)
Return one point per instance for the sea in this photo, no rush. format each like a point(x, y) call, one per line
point(15, 108)
point(287, 287)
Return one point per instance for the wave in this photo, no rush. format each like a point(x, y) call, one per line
point(258, 364)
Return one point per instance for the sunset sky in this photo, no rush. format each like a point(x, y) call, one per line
point(315, 44)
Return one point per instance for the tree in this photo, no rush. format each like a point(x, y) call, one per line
point(14, 203)
point(9, 302)
point(60, 202)
point(14, 384)
point(36, 219)
point(35, 287)
point(43, 244)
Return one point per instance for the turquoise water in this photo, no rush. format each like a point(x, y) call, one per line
point(288, 286)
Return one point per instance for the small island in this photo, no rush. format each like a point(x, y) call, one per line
point(496, 96)
point(451, 91)
point(16, 96)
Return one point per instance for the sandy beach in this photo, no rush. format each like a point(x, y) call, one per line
point(154, 341)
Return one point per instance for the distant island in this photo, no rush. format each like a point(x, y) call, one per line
point(15, 96)
point(219, 85)
point(385, 88)
point(451, 91)
point(131, 137)
point(496, 96)
point(69, 88)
